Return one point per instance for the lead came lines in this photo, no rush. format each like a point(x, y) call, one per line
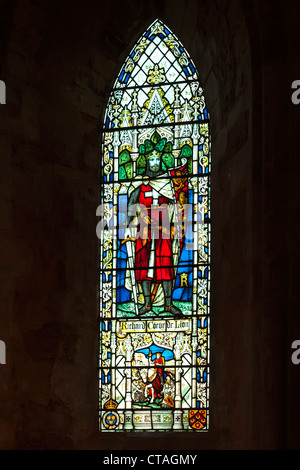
point(177, 364)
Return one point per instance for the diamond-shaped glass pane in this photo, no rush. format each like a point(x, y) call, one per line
point(156, 56)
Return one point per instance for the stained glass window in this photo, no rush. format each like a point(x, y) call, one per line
point(154, 236)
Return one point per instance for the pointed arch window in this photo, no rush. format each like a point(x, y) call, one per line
point(155, 243)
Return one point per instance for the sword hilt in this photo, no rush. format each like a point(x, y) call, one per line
point(127, 240)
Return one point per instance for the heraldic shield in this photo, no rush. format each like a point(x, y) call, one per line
point(197, 419)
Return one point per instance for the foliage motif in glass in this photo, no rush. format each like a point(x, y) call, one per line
point(155, 243)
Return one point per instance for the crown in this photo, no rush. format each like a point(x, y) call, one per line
point(111, 405)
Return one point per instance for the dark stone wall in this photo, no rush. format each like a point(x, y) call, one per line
point(59, 61)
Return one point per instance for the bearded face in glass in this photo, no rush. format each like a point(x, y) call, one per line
point(154, 161)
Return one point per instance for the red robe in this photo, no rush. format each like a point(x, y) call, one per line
point(163, 260)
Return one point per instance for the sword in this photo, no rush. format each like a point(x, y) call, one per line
point(131, 267)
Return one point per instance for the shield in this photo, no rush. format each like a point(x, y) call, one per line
point(179, 177)
point(197, 419)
